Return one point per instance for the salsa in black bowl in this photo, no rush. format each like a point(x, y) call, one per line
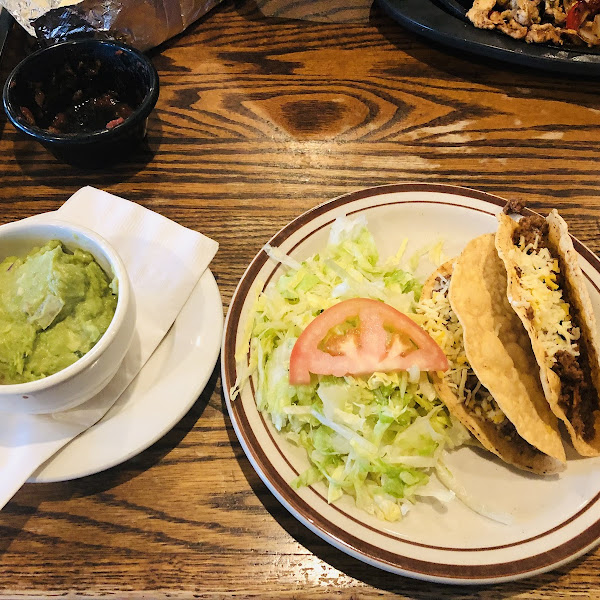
point(86, 100)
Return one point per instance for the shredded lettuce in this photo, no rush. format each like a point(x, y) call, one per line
point(376, 438)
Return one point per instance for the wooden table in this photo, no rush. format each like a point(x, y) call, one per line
point(265, 111)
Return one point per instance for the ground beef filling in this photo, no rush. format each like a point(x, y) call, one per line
point(507, 431)
point(578, 397)
point(533, 230)
point(514, 207)
point(577, 394)
point(479, 402)
point(505, 428)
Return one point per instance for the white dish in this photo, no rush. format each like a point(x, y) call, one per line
point(555, 519)
point(161, 394)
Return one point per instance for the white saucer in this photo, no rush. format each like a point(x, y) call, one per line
point(161, 394)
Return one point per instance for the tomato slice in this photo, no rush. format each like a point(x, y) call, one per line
point(580, 11)
point(361, 336)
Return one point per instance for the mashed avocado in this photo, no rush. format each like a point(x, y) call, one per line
point(54, 306)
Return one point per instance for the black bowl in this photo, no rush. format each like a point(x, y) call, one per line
point(86, 100)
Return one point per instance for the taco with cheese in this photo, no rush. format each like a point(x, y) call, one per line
point(547, 290)
point(489, 386)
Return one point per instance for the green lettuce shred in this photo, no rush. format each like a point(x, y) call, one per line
point(376, 438)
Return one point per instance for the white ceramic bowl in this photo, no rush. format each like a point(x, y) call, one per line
point(88, 375)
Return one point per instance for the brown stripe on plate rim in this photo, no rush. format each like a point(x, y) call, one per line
point(328, 529)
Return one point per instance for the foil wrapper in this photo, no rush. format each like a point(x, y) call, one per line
point(139, 23)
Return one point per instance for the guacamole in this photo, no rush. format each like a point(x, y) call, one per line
point(54, 306)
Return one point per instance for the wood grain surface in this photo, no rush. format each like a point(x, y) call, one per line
point(267, 109)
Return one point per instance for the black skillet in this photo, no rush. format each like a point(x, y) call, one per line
point(444, 21)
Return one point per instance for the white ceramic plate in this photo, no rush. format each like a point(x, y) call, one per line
point(162, 393)
point(554, 519)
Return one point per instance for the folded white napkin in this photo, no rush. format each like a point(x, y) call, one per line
point(164, 261)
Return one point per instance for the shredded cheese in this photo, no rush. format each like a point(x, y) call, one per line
point(541, 292)
point(443, 326)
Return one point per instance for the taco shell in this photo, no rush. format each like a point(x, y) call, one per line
point(516, 451)
point(498, 347)
point(575, 293)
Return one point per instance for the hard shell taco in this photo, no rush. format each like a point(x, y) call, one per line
point(547, 290)
point(499, 402)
